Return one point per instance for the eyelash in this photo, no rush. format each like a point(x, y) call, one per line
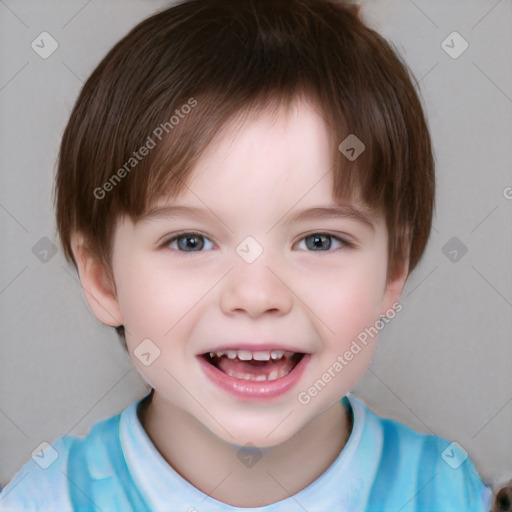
point(344, 243)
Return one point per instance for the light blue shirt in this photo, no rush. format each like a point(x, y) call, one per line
point(384, 467)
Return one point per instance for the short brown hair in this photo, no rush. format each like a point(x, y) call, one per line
point(232, 57)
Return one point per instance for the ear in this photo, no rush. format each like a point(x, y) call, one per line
point(98, 285)
point(394, 286)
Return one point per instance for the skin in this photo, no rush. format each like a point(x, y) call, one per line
point(251, 181)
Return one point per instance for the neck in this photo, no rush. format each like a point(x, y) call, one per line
point(211, 465)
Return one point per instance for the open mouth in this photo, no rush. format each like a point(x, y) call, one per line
point(261, 365)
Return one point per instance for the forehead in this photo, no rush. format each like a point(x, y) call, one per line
point(275, 159)
point(271, 145)
point(274, 140)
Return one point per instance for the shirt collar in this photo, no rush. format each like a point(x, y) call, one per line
point(342, 485)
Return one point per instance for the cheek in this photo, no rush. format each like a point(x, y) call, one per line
point(151, 298)
point(346, 300)
point(157, 304)
point(348, 308)
point(159, 300)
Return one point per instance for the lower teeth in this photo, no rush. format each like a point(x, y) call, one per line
point(273, 375)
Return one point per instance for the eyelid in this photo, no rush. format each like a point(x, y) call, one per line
point(166, 240)
point(344, 240)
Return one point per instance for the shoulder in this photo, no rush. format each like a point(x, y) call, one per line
point(423, 472)
point(41, 484)
point(48, 481)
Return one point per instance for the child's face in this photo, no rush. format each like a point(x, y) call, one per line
point(199, 294)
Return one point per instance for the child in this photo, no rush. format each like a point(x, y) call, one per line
point(244, 187)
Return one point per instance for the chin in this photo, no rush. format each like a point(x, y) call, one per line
point(257, 431)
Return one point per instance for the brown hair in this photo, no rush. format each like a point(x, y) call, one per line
point(185, 72)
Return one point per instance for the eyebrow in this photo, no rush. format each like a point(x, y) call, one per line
point(345, 211)
point(174, 211)
point(317, 213)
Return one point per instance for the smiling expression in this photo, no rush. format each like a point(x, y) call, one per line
point(253, 281)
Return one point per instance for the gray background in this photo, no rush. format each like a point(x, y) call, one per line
point(443, 365)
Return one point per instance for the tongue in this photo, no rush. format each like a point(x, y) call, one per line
point(255, 370)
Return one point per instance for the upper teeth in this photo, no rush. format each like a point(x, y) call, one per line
point(248, 355)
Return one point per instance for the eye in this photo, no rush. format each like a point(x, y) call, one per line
point(188, 242)
point(323, 242)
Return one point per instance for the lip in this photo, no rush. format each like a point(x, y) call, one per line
point(251, 389)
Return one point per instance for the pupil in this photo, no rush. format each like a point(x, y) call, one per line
point(317, 241)
point(190, 242)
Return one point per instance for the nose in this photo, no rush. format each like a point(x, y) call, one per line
point(255, 289)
